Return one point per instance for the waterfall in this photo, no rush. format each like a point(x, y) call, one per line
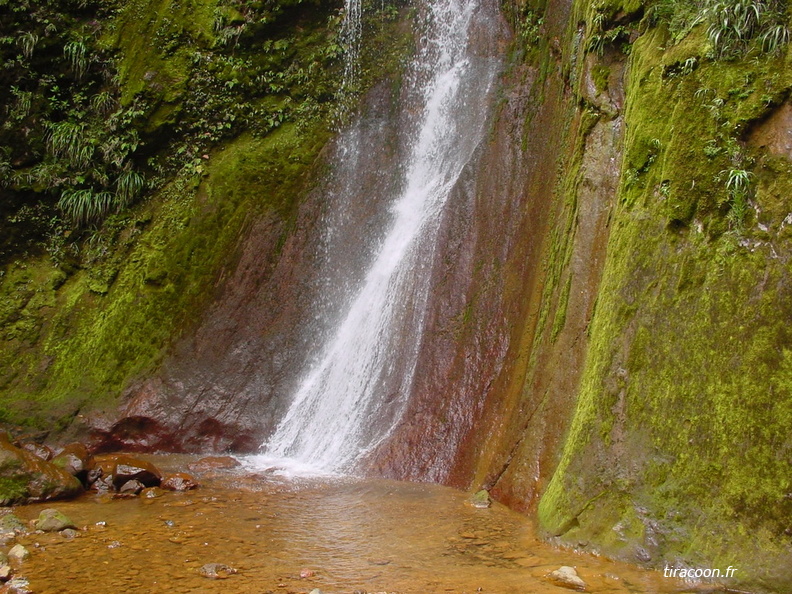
point(356, 389)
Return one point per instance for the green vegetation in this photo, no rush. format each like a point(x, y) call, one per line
point(142, 138)
point(679, 446)
point(734, 27)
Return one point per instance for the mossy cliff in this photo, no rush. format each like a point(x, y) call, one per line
point(221, 108)
point(664, 335)
point(608, 322)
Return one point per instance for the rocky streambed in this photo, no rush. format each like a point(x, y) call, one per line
point(244, 530)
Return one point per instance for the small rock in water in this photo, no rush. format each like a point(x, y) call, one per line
point(214, 463)
point(481, 499)
point(307, 573)
point(18, 553)
point(567, 577)
point(51, 520)
point(217, 571)
point(69, 533)
point(5, 573)
point(152, 492)
point(17, 585)
point(179, 482)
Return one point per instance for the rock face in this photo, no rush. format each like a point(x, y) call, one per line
point(24, 477)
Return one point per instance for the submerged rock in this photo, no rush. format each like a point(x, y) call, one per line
point(11, 523)
point(567, 577)
point(51, 520)
point(214, 463)
point(179, 482)
point(217, 571)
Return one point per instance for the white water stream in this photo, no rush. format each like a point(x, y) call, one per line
point(355, 392)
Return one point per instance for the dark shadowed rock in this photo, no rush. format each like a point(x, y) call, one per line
point(25, 478)
point(179, 482)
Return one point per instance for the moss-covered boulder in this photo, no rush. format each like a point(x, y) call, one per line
point(26, 478)
point(52, 520)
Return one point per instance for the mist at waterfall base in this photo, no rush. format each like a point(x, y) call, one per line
point(356, 388)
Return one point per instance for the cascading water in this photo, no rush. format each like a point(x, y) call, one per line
point(350, 398)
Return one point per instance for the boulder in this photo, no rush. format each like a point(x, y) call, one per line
point(26, 478)
point(76, 460)
point(179, 482)
point(5, 572)
point(51, 520)
point(129, 468)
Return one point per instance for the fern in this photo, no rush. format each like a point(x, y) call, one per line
point(76, 54)
point(82, 207)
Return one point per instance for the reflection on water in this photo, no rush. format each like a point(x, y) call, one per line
point(364, 536)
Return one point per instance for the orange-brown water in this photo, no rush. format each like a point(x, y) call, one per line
point(366, 535)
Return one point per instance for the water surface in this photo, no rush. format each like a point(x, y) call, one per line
point(354, 535)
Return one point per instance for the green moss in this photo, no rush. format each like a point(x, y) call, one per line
point(680, 441)
point(78, 328)
point(12, 490)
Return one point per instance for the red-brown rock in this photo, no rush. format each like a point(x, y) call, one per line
point(76, 460)
point(129, 468)
point(178, 482)
point(214, 463)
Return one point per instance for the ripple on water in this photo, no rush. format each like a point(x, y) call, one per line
point(348, 535)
